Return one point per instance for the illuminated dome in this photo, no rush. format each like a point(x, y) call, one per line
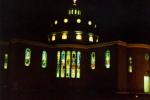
point(74, 27)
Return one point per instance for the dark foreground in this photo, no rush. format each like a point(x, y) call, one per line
point(72, 95)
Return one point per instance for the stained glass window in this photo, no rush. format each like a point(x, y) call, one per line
point(93, 60)
point(73, 65)
point(78, 64)
point(5, 61)
point(27, 57)
point(44, 59)
point(68, 64)
point(107, 59)
point(58, 65)
point(63, 55)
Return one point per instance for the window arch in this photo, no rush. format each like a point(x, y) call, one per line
point(68, 64)
point(44, 59)
point(27, 60)
point(93, 60)
point(107, 59)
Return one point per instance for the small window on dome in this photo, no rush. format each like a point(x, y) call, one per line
point(78, 12)
point(95, 26)
point(64, 35)
point(75, 12)
point(90, 38)
point(97, 40)
point(5, 61)
point(56, 22)
point(78, 20)
point(53, 37)
point(65, 20)
point(89, 22)
point(72, 11)
point(69, 12)
point(78, 35)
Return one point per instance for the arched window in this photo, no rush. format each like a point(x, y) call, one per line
point(130, 67)
point(44, 59)
point(27, 60)
point(73, 64)
point(78, 64)
point(68, 64)
point(58, 64)
point(63, 60)
point(5, 61)
point(93, 60)
point(107, 59)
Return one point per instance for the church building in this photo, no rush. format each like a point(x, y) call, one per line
point(73, 59)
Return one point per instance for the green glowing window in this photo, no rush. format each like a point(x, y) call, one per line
point(146, 84)
point(73, 65)
point(68, 64)
point(44, 59)
point(78, 64)
point(130, 67)
point(5, 61)
point(107, 59)
point(27, 60)
point(63, 60)
point(58, 64)
point(93, 60)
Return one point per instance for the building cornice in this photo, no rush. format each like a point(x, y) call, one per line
point(80, 46)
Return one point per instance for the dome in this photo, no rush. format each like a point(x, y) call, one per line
point(74, 26)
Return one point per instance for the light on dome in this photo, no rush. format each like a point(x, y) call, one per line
point(78, 35)
point(55, 22)
point(65, 20)
point(75, 12)
point(95, 26)
point(78, 20)
point(53, 37)
point(89, 22)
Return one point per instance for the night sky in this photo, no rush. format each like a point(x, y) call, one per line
point(127, 20)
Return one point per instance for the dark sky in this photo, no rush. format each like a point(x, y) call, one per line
point(127, 20)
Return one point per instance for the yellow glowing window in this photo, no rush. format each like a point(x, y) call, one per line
point(58, 65)
point(79, 35)
point(93, 60)
point(147, 84)
point(78, 20)
point(64, 35)
point(89, 22)
point(90, 38)
point(107, 59)
point(69, 12)
point(97, 40)
point(72, 11)
point(75, 12)
point(130, 68)
point(65, 20)
point(53, 37)
point(55, 22)
point(78, 12)
point(44, 59)
point(5, 61)
point(27, 60)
